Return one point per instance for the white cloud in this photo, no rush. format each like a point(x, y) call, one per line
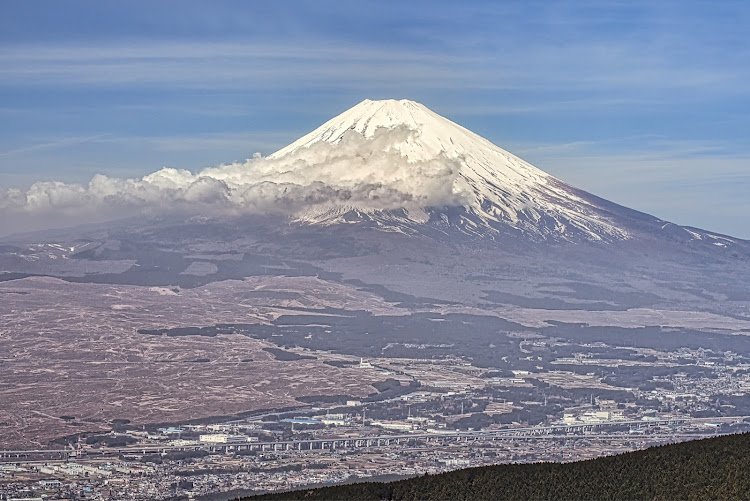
point(357, 171)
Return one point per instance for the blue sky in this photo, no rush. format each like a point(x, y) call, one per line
point(644, 103)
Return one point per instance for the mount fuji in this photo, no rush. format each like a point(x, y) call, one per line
point(496, 194)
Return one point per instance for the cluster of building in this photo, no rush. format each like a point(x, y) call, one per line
point(351, 438)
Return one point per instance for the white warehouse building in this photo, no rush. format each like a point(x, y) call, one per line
point(223, 438)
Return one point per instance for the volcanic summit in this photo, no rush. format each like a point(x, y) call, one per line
point(494, 193)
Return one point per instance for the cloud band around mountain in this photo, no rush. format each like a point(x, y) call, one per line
point(358, 171)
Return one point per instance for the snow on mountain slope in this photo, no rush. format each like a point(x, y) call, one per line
point(502, 193)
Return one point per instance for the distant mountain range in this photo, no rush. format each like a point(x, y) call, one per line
point(713, 468)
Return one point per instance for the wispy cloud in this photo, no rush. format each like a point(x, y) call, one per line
point(201, 65)
point(571, 67)
point(54, 144)
point(696, 183)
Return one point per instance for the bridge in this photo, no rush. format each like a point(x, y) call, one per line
point(417, 439)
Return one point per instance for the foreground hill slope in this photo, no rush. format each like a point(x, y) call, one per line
point(715, 468)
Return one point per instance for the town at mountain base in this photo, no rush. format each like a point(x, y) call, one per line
point(713, 468)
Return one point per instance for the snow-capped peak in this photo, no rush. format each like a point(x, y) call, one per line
point(434, 133)
point(501, 192)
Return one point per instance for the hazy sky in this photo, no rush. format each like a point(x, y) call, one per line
point(646, 104)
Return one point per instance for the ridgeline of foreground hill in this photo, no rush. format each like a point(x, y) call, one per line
point(714, 468)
